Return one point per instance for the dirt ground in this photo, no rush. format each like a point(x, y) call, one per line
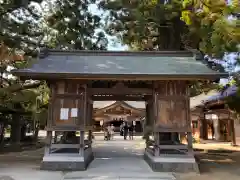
point(216, 162)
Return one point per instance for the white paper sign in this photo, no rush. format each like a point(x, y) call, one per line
point(64, 114)
point(74, 112)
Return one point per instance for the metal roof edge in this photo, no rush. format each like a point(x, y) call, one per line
point(45, 52)
point(26, 73)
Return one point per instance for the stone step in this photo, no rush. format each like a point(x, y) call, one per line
point(119, 178)
point(123, 176)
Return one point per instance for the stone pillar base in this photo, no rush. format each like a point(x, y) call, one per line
point(171, 164)
point(66, 162)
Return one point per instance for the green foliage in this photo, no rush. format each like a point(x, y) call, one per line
point(154, 25)
point(233, 102)
point(74, 26)
point(26, 26)
point(146, 24)
point(20, 27)
point(200, 87)
point(209, 20)
point(20, 35)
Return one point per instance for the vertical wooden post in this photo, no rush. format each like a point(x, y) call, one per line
point(146, 123)
point(189, 120)
point(203, 126)
point(90, 136)
point(233, 135)
point(156, 140)
point(85, 115)
point(50, 120)
point(90, 108)
point(199, 127)
point(153, 115)
point(190, 142)
point(55, 136)
point(82, 145)
point(216, 126)
point(47, 150)
point(91, 113)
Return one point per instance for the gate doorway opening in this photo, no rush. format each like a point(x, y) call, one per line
point(117, 113)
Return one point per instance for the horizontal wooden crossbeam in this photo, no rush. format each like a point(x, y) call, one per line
point(174, 129)
point(118, 98)
point(120, 91)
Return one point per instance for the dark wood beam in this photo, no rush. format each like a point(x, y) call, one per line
point(119, 98)
point(122, 91)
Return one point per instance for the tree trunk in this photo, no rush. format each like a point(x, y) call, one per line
point(23, 132)
point(36, 131)
point(2, 128)
point(15, 135)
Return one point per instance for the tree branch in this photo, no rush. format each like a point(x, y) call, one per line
point(202, 1)
point(26, 86)
point(5, 80)
point(9, 10)
point(21, 39)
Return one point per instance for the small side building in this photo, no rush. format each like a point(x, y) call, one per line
point(212, 119)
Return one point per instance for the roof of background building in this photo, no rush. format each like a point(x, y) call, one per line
point(199, 100)
point(103, 104)
point(230, 91)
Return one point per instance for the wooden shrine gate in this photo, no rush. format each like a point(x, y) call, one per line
point(94, 76)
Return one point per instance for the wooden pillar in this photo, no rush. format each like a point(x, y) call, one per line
point(56, 136)
point(90, 135)
point(199, 127)
point(190, 142)
point(203, 126)
point(148, 113)
point(146, 123)
point(216, 126)
point(151, 115)
point(189, 120)
point(50, 120)
point(233, 135)
point(157, 142)
point(172, 115)
point(47, 150)
point(152, 121)
point(82, 145)
point(91, 121)
point(85, 122)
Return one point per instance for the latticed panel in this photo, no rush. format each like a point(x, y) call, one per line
point(172, 88)
point(172, 105)
point(179, 117)
point(164, 113)
point(172, 114)
point(67, 111)
point(69, 87)
point(67, 106)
